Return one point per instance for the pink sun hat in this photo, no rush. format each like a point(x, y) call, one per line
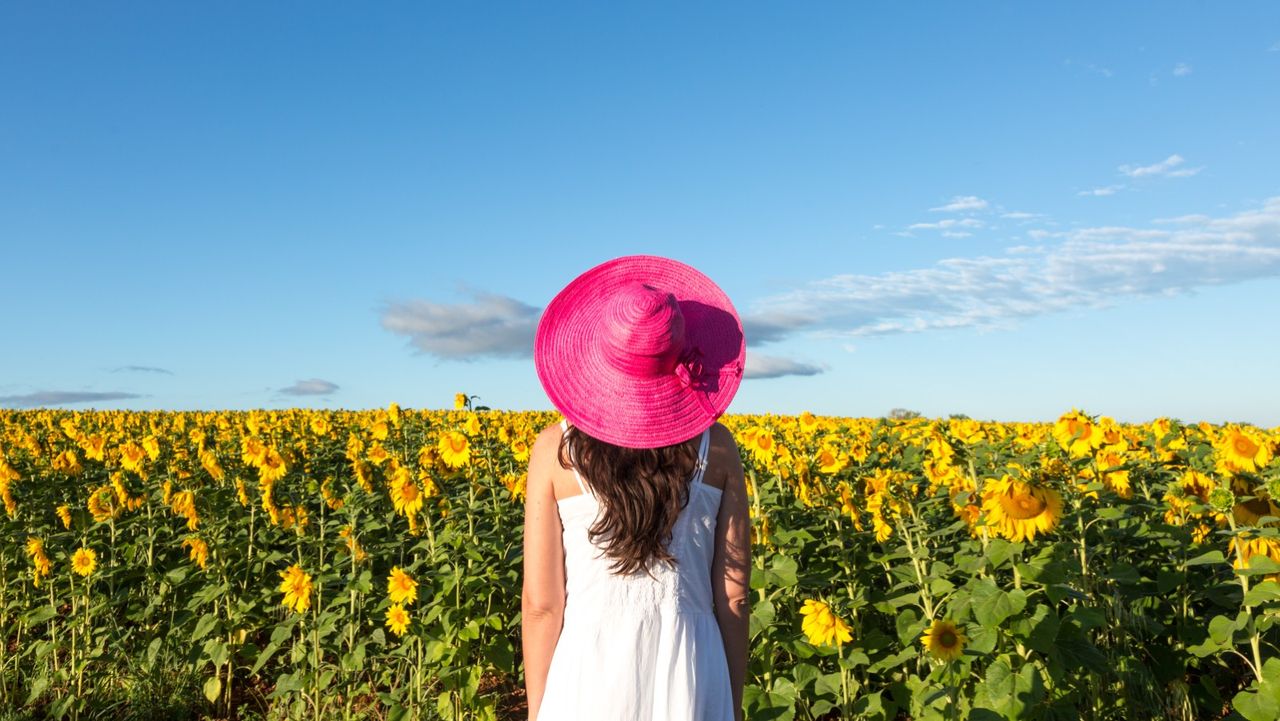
point(640, 351)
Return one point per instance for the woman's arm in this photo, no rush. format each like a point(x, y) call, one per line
point(731, 567)
point(543, 595)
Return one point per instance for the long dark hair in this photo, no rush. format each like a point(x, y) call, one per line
point(641, 491)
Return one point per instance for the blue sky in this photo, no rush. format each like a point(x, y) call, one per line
point(999, 209)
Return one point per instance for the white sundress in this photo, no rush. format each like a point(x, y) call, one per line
point(634, 647)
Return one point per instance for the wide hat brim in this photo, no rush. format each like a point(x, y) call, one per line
point(622, 408)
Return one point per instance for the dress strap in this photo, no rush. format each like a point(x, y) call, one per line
point(701, 468)
point(564, 426)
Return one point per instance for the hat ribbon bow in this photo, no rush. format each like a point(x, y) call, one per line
point(697, 377)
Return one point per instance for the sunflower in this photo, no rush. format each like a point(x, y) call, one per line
point(472, 426)
point(320, 425)
point(296, 586)
point(405, 494)
point(808, 423)
point(831, 460)
point(351, 543)
point(944, 641)
point(1018, 511)
point(822, 626)
point(459, 401)
point(35, 549)
point(401, 588)
point(1076, 433)
point(520, 450)
point(199, 550)
point(272, 467)
point(761, 444)
point(102, 503)
point(84, 561)
point(64, 513)
point(455, 450)
point(131, 455)
point(397, 619)
point(1242, 450)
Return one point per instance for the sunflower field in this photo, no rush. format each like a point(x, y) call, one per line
point(305, 564)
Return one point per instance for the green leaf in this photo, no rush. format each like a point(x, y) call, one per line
point(1259, 565)
point(1262, 593)
point(205, 625)
point(1221, 629)
point(212, 688)
point(782, 572)
point(1205, 559)
point(762, 615)
point(1256, 706)
point(263, 657)
point(991, 605)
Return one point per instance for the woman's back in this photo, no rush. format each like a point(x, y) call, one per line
point(642, 354)
point(640, 645)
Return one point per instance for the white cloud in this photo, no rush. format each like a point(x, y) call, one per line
point(1193, 218)
point(947, 223)
point(961, 203)
point(490, 326)
point(955, 234)
point(311, 387)
point(40, 399)
point(1161, 168)
point(767, 366)
point(1019, 215)
point(1181, 70)
point(142, 369)
point(1105, 190)
point(1087, 268)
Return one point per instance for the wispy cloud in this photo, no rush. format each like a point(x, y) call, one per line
point(310, 387)
point(1192, 218)
point(1275, 47)
point(1181, 70)
point(62, 398)
point(766, 366)
point(1086, 268)
point(141, 369)
point(947, 224)
point(1091, 67)
point(961, 203)
point(1102, 191)
point(491, 326)
point(1019, 215)
point(1169, 166)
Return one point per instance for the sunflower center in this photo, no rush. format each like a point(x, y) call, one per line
point(1022, 506)
point(458, 445)
point(1245, 447)
point(948, 639)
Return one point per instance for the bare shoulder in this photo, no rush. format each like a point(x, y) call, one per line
point(724, 461)
point(543, 460)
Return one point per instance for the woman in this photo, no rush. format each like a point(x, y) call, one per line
point(636, 539)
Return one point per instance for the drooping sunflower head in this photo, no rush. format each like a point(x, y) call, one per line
point(944, 640)
point(295, 584)
point(822, 626)
point(1018, 511)
point(401, 589)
